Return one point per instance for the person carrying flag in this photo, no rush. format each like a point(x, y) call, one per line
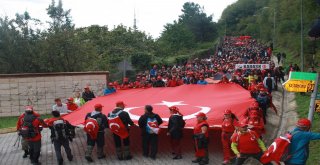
point(228, 128)
point(149, 124)
point(118, 122)
point(201, 138)
point(95, 137)
point(30, 127)
point(246, 143)
point(175, 131)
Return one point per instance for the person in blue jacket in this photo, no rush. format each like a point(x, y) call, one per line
point(202, 81)
point(299, 147)
point(110, 89)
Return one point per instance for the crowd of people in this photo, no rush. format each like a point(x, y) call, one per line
point(240, 139)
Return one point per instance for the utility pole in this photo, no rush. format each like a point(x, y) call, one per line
point(301, 40)
point(134, 21)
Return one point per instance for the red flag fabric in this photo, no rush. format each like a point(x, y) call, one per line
point(117, 127)
point(277, 150)
point(211, 99)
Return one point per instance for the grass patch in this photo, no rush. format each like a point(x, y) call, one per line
point(7, 122)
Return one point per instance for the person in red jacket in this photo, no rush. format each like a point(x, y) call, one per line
point(30, 130)
point(246, 143)
point(255, 123)
point(201, 137)
point(24, 142)
point(228, 127)
point(173, 82)
point(71, 105)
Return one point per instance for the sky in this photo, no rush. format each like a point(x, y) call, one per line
point(151, 15)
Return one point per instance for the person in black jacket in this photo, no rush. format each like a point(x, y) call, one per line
point(149, 124)
point(103, 123)
point(61, 133)
point(175, 131)
point(122, 153)
point(87, 95)
point(159, 82)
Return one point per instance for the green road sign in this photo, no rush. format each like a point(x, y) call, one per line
point(303, 76)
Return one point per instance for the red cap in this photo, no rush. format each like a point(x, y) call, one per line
point(242, 124)
point(255, 105)
point(120, 103)
point(174, 108)
point(254, 114)
point(70, 99)
point(227, 112)
point(304, 123)
point(201, 114)
point(96, 106)
point(29, 108)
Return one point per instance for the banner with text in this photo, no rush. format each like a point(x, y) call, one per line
point(252, 66)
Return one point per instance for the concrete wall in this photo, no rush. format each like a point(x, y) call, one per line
point(40, 89)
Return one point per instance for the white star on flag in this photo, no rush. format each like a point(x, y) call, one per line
point(170, 104)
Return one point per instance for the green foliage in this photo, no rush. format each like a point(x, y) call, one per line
point(192, 28)
point(141, 61)
point(256, 18)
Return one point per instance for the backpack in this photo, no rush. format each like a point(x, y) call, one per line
point(278, 151)
point(27, 130)
point(116, 125)
point(91, 127)
point(152, 126)
point(60, 130)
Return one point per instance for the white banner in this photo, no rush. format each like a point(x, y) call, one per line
point(252, 66)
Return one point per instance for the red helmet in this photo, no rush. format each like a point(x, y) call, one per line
point(29, 108)
point(201, 114)
point(227, 112)
point(70, 99)
point(255, 105)
point(254, 114)
point(96, 106)
point(304, 123)
point(174, 109)
point(242, 124)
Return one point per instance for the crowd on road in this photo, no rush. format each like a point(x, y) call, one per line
point(240, 139)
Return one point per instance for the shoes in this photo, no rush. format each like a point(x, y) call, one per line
point(128, 157)
point(120, 158)
point(60, 161)
point(70, 158)
point(225, 162)
point(177, 157)
point(196, 160)
point(89, 159)
point(153, 157)
point(145, 155)
point(26, 153)
point(101, 157)
point(203, 162)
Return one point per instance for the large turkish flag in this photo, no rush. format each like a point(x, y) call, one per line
point(211, 99)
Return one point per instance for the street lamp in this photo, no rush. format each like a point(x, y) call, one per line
point(274, 26)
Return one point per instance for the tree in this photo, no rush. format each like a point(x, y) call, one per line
point(201, 25)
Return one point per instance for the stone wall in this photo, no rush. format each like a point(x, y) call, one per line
point(40, 89)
